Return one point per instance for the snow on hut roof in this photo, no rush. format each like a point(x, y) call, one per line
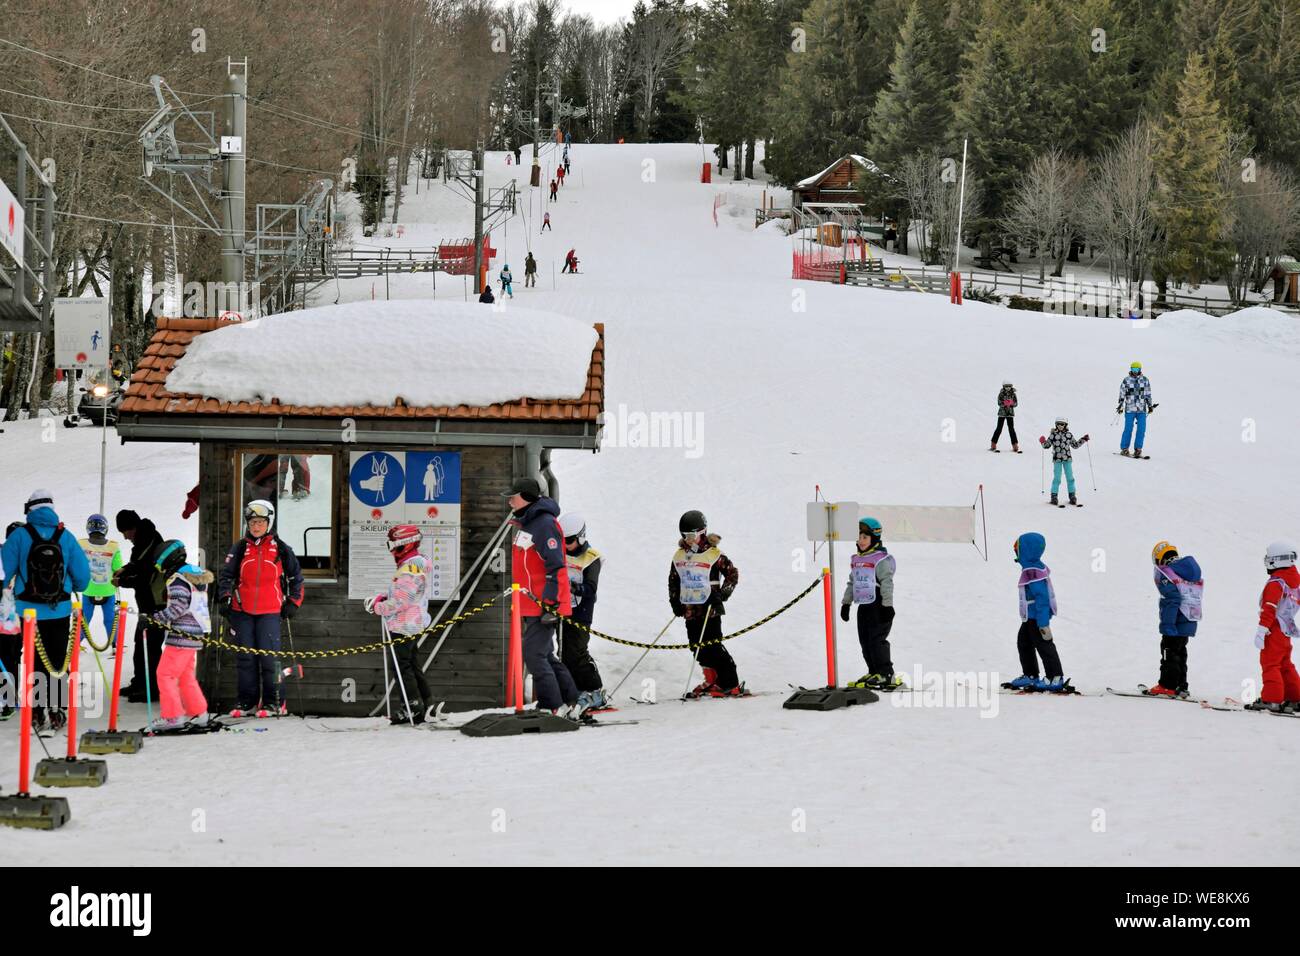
point(419, 356)
point(862, 161)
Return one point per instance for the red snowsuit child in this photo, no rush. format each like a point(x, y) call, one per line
point(1277, 627)
point(559, 175)
point(553, 188)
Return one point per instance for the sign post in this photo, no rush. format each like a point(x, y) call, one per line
point(831, 521)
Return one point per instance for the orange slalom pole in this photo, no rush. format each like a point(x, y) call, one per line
point(516, 649)
point(117, 668)
point(830, 628)
point(25, 710)
point(74, 681)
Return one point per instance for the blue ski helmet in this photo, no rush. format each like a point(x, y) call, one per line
point(97, 524)
point(869, 526)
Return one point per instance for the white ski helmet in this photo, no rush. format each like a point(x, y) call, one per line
point(260, 508)
point(1062, 420)
point(1279, 554)
point(574, 525)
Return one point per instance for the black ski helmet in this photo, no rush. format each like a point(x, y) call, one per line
point(692, 521)
point(171, 558)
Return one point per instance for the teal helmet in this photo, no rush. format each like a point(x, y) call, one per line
point(870, 526)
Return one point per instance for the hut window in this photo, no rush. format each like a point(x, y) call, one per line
point(301, 486)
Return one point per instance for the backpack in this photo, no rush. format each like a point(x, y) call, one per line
point(43, 582)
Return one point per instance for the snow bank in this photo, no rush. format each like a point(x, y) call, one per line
point(370, 353)
point(1253, 327)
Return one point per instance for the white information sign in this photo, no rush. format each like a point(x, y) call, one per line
point(81, 331)
point(387, 488)
point(11, 224)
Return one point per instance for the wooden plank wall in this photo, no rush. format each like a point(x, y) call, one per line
point(469, 671)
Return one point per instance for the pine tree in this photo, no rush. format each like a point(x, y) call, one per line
point(822, 107)
point(1191, 202)
point(994, 112)
point(914, 111)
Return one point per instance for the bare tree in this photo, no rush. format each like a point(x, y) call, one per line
point(659, 41)
point(1117, 213)
point(1266, 222)
point(1044, 208)
point(933, 199)
point(603, 75)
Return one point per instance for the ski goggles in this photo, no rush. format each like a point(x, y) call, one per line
point(257, 511)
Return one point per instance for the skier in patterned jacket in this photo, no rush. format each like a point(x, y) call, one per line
point(871, 587)
point(1007, 403)
point(1135, 403)
point(405, 610)
point(1061, 441)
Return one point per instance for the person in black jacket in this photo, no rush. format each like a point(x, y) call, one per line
point(138, 574)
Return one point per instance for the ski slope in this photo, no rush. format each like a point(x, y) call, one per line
point(875, 396)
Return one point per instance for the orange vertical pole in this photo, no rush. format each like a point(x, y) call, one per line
point(830, 628)
point(117, 668)
point(516, 649)
point(74, 681)
point(25, 704)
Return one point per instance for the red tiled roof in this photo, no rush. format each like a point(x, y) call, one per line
point(147, 394)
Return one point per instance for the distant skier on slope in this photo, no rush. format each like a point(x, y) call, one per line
point(1135, 403)
point(1060, 440)
point(546, 221)
point(1037, 607)
point(1007, 403)
point(871, 588)
point(1178, 579)
point(530, 271)
point(486, 296)
point(570, 262)
point(1278, 627)
point(553, 188)
point(700, 580)
point(507, 281)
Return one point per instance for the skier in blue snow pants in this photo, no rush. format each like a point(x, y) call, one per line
point(1135, 403)
point(1061, 442)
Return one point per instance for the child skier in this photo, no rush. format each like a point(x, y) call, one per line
point(180, 699)
point(1277, 628)
point(105, 559)
point(553, 187)
point(405, 609)
point(583, 563)
point(546, 223)
point(871, 587)
point(700, 579)
point(570, 262)
point(559, 175)
point(1178, 579)
point(1135, 403)
point(507, 280)
point(1037, 607)
point(1007, 403)
point(1060, 440)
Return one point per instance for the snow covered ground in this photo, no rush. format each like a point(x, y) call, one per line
point(877, 396)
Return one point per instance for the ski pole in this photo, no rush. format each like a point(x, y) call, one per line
point(295, 670)
point(388, 708)
point(1093, 474)
point(690, 674)
point(397, 669)
point(642, 657)
point(1042, 471)
point(148, 686)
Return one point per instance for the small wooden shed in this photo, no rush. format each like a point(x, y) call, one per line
point(313, 460)
point(837, 183)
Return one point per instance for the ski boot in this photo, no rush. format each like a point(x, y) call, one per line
point(1024, 682)
point(702, 688)
point(1137, 452)
point(58, 720)
point(164, 725)
point(1160, 691)
point(1054, 501)
point(6, 711)
point(1264, 705)
point(1054, 686)
point(888, 683)
point(993, 446)
point(243, 710)
point(737, 691)
point(1073, 499)
point(1015, 447)
point(1126, 453)
point(200, 721)
point(866, 681)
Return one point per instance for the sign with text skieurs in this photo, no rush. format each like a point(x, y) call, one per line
point(387, 488)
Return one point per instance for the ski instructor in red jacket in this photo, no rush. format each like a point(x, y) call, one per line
point(260, 582)
point(538, 566)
